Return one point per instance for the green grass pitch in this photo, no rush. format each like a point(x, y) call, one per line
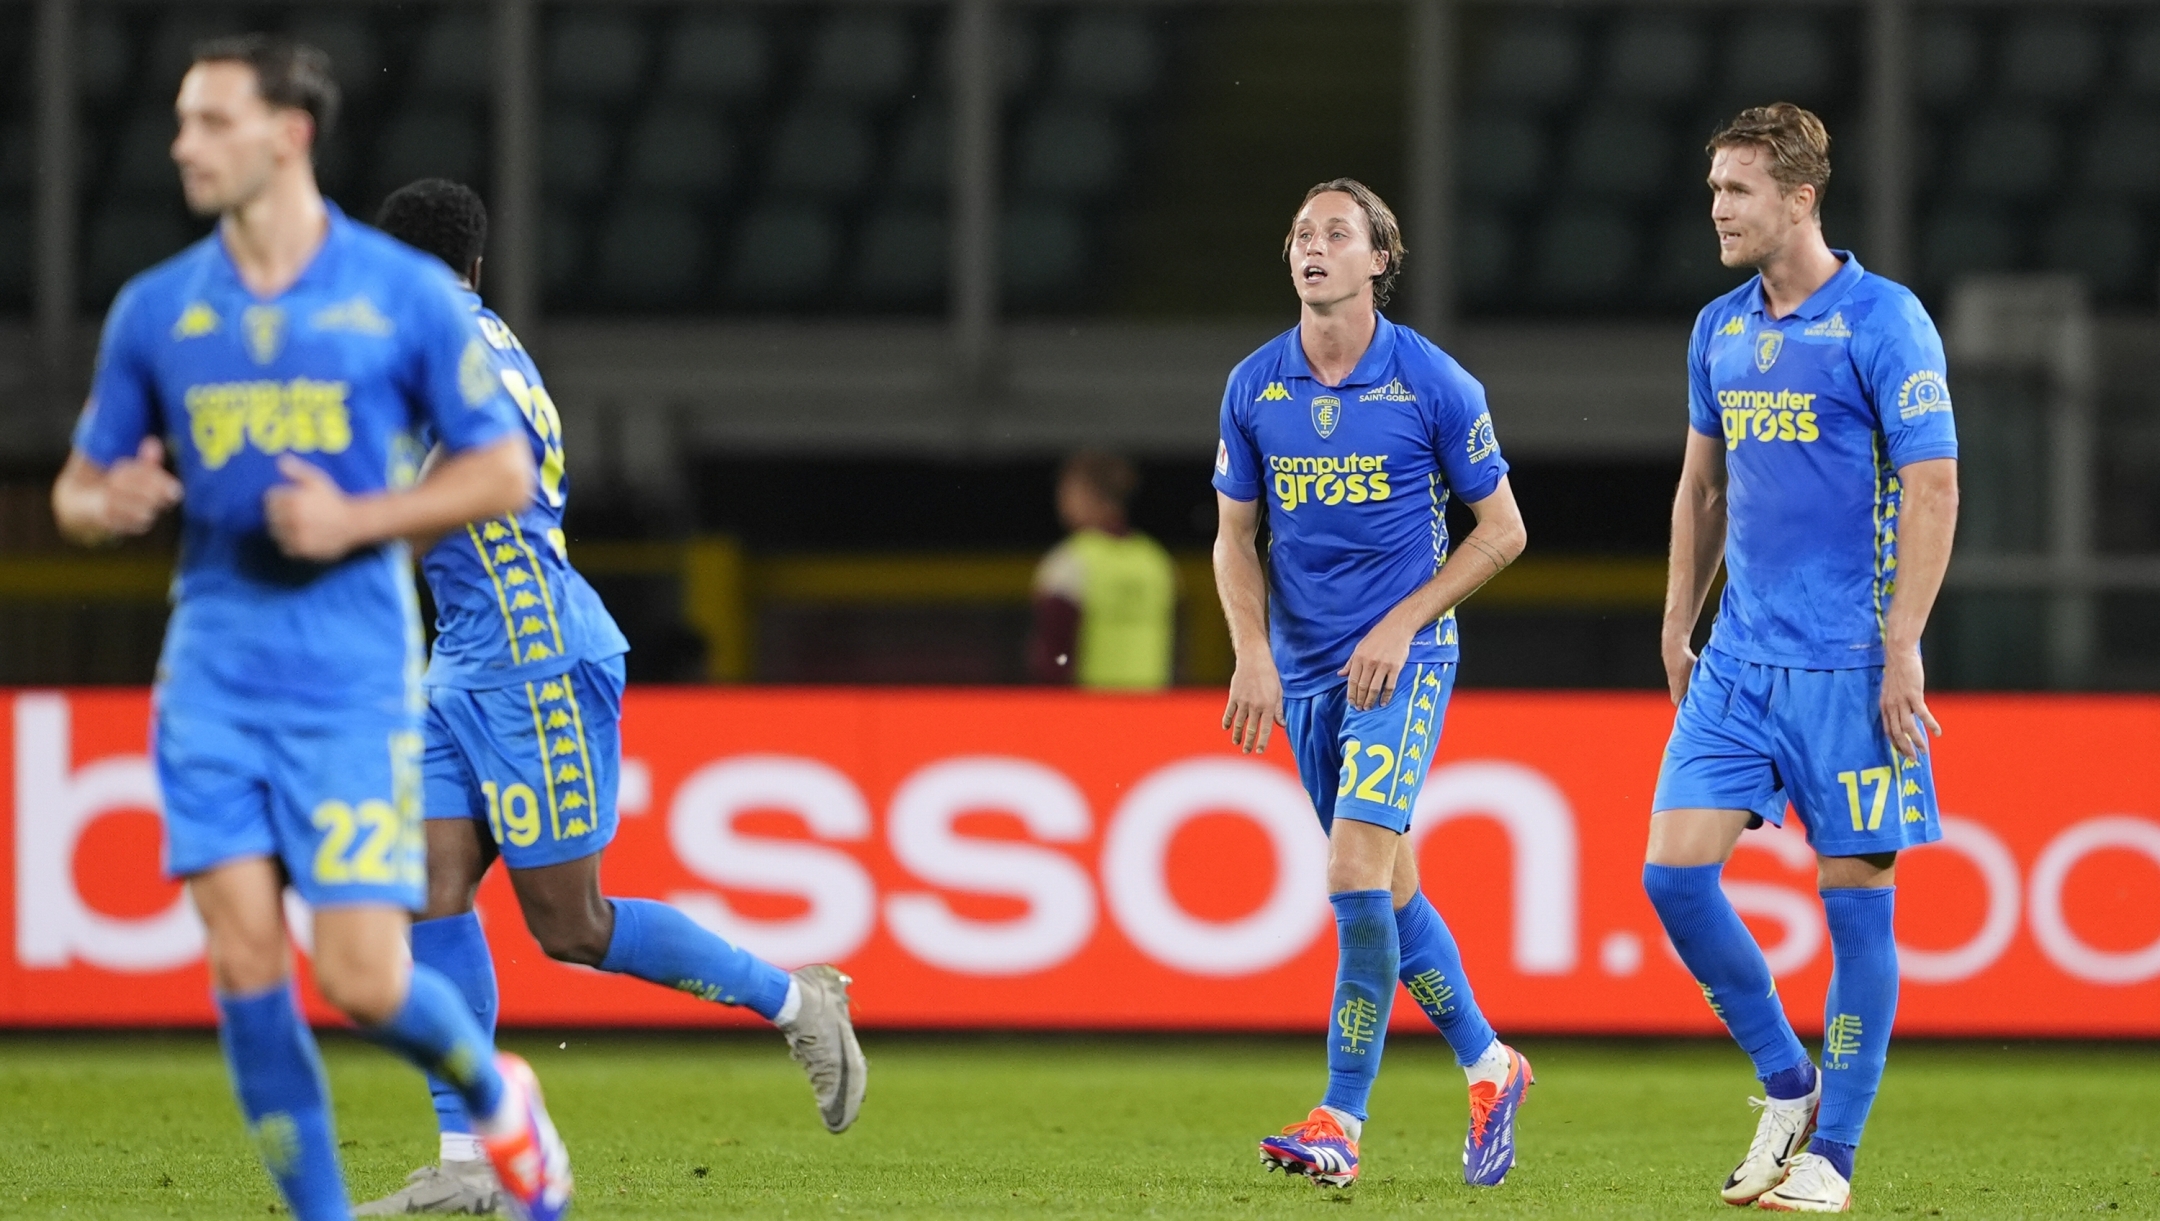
point(722, 1126)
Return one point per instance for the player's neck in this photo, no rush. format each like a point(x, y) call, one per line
point(274, 236)
point(1335, 337)
point(1796, 272)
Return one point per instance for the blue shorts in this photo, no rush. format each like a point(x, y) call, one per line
point(1368, 766)
point(536, 762)
point(339, 806)
point(1750, 737)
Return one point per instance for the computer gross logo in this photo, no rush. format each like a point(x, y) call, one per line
point(1349, 479)
point(1767, 415)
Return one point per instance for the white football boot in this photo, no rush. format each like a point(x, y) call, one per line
point(1783, 1131)
point(1812, 1185)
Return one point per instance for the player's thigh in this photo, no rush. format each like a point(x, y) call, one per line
point(1686, 838)
point(1385, 752)
point(545, 757)
point(1718, 760)
point(346, 803)
point(214, 778)
point(459, 845)
point(1857, 796)
point(242, 909)
point(1313, 724)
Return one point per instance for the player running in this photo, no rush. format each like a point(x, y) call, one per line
point(1356, 431)
point(1821, 467)
point(521, 759)
point(288, 360)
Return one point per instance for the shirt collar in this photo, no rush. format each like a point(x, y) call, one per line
point(1369, 366)
point(1820, 301)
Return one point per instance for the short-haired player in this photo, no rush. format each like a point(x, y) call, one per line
point(1352, 433)
point(1821, 468)
point(522, 749)
point(287, 363)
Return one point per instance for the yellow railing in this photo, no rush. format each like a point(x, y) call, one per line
point(720, 587)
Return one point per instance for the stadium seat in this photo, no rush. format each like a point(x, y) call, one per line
point(1019, 52)
point(904, 255)
point(1069, 149)
point(1501, 155)
point(2103, 243)
point(594, 53)
point(143, 160)
point(453, 59)
point(1688, 271)
point(1530, 59)
point(102, 54)
point(562, 253)
point(824, 148)
point(649, 252)
point(343, 35)
point(1484, 255)
point(2007, 154)
point(575, 149)
point(1782, 57)
point(1946, 58)
point(1108, 54)
point(1585, 256)
point(1043, 249)
point(430, 141)
point(2122, 153)
point(14, 256)
point(862, 53)
point(2051, 56)
point(129, 235)
point(18, 157)
point(722, 55)
point(1655, 55)
point(1964, 241)
point(1620, 152)
point(2141, 57)
point(172, 47)
point(681, 148)
point(922, 152)
point(782, 252)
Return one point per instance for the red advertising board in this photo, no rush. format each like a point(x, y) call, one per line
point(1059, 860)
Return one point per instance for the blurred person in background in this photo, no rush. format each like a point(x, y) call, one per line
point(1106, 597)
point(522, 750)
point(288, 360)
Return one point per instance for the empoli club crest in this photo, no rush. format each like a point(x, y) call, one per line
point(1768, 344)
point(1326, 414)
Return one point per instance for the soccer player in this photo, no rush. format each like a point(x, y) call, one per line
point(1356, 432)
point(521, 751)
point(287, 362)
point(1821, 466)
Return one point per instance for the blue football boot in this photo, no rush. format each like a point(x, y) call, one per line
point(1318, 1148)
point(1489, 1149)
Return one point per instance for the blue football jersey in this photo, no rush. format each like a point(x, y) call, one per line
point(1357, 479)
point(1818, 411)
point(342, 369)
point(509, 607)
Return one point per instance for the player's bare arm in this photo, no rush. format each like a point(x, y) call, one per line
point(313, 519)
point(96, 505)
point(1256, 697)
point(1497, 540)
point(1927, 521)
point(1698, 546)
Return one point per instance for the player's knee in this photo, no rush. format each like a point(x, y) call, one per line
point(245, 962)
point(368, 993)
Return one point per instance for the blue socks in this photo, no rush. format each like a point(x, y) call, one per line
point(435, 1030)
point(1432, 970)
point(279, 1079)
point(1722, 956)
point(458, 948)
point(660, 945)
point(1369, 958)
point(1857, 1015)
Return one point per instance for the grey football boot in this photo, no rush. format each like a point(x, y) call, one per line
point(460, 1188)
point(822, 1040)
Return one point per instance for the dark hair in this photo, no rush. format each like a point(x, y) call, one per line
point(1110, 475)
point(442, 217)
point(1798, 144)
point(288, 73)
point(1379, 225)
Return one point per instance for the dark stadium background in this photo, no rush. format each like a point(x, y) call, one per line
point(825, 290)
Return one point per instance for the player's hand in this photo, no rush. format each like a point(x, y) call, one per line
point(1377, 662)
point(1679, 669)
point(1256, 704)
point(138, 489)
point(311, 517)
point(1904, 704)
